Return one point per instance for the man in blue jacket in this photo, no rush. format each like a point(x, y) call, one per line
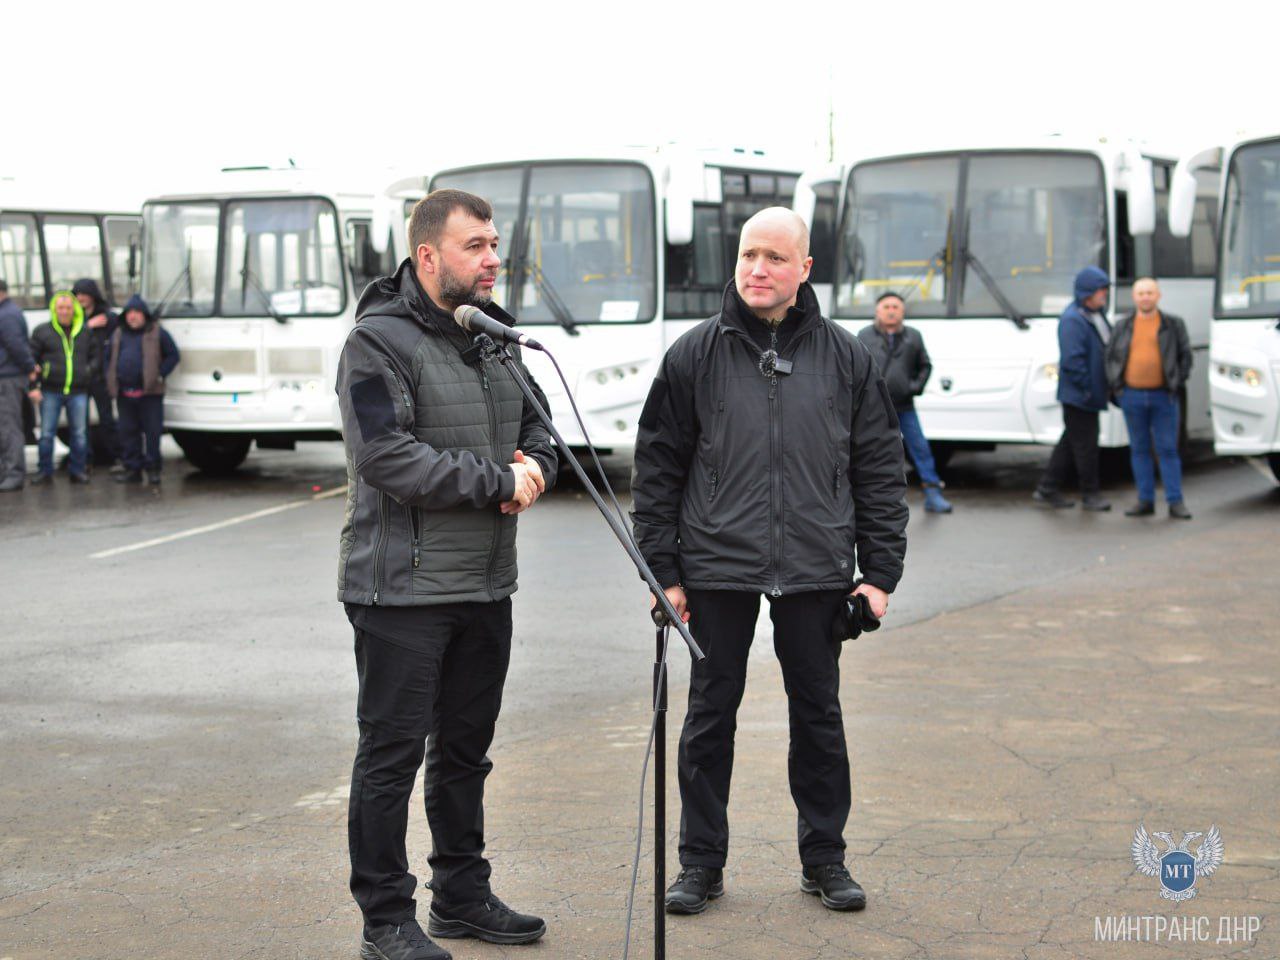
point(1083, 332)
point(16, 365)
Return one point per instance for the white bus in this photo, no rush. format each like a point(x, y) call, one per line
point(607, 258)
point(257, 280)
point(53, 234)
point(983, 244)
point(1244, 353)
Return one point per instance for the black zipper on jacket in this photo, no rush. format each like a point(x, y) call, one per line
point(380, 547)
point(775, 479)
point(413, 525)
point(497, 456)
point(404, 394)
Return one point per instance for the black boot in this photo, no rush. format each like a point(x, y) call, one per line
point(694, 886)
point(1052, 498)
point(832, 882)
point(490, 920)
point(400, 941)
point(1143, 508)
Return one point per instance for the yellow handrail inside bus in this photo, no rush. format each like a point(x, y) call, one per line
point(1048, 246)
point(1260, 278)
point(626, 231)
point(923, 285)
point(1271, 258)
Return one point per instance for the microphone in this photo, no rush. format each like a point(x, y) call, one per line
point(474, 320)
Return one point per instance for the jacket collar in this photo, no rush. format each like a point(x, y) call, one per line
point(806, 314)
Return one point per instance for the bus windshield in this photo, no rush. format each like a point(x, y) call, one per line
point(180, 258)
point(1249, 274)
point(281, 257)
point(1030, 222)
point(576, 239)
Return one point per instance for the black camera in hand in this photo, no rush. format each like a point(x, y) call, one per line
point(855, 617)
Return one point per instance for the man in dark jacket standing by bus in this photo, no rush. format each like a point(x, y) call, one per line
point(140, 356)
point(904, 363)
point(768, 461)
point(16, 366)
point(101, 322)
point(1148, 362)
point(442, 453)
point(1083, 332)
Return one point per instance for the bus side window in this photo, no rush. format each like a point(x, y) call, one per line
point(822, 234)
point(1204, 225)
point(695, 272)
point(20, 260)
point(73, 245)
point(366, 263)
point(123, 257)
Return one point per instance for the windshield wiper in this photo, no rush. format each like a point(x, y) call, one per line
point(993, 288)
point(247, 276)
point(554, 303)
point(184, 274)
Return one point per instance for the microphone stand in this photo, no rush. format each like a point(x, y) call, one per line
point(664, 616)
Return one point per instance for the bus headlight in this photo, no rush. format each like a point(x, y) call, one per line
point(1249, 376)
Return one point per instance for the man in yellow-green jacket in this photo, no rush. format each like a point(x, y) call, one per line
point(68, 359)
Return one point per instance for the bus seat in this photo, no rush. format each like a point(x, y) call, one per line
point(595, 260)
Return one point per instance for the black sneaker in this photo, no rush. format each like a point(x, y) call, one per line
point(79, 478)
point(400, 941)
point(1143, 508)
point(1052, 498)
point(1096, 503)
point(1179, 511)
point(153, 477)
point(694, 886)
point(129, 476)
point(832, 882)
point(490, 920)
point(117, 467)
point(41, 478)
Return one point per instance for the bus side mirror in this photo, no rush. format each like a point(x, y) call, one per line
point(806, 198)
point(380, 228)
point(1182, 189)
point(1140, 189)
point(133, 264)
point(679, 220)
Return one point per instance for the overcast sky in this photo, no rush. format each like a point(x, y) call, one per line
point(113, 87)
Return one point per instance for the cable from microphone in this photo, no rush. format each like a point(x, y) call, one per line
point(474, 320)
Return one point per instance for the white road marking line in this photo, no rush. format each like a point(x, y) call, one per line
point(221, 524)
point(1262, 468)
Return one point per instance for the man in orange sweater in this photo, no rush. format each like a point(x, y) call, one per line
point(1148, 362)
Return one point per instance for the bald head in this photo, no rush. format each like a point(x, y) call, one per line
point(782, 219)
point(1146, 295)
point(773, 260)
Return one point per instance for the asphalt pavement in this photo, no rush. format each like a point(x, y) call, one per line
point(177, 703)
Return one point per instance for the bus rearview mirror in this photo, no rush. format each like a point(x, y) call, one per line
point(1140, 189)
point(1182, 189)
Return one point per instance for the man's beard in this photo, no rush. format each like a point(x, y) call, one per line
point(454, 290)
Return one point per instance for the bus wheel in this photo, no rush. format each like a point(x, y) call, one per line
point(214, 453)
point(1274, 460)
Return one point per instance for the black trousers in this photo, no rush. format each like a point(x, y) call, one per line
point(141, 420)
point(1079, 446)
point(723, 622)
point(448, 689)
point(104, 443)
